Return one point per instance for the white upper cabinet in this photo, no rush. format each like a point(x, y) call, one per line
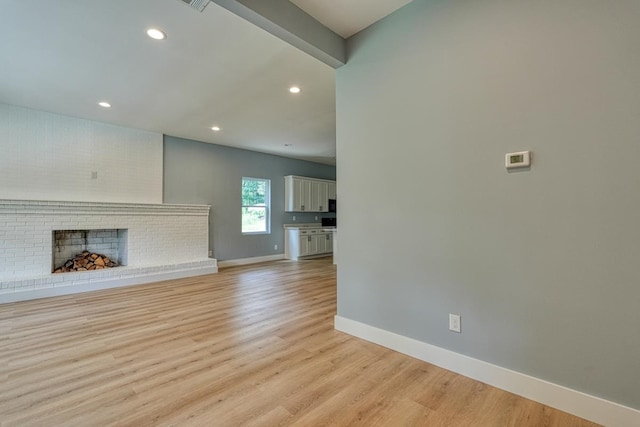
point(303, 194)
point(297, 194)
point(331, 190)
point(319, 197)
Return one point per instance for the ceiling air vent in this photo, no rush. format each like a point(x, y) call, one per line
point(198, 5)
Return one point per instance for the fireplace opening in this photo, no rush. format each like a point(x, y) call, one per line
point(86, 250)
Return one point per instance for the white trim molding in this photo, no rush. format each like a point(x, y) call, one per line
point(247, 261)
point(565, 399)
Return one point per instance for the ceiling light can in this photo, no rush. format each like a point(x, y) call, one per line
point(294, 89)
point(104, 104)
point(156, 34)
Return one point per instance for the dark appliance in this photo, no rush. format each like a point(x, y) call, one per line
point(329, 222)
point(332, 205)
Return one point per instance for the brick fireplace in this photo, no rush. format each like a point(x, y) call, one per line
point(162, 242)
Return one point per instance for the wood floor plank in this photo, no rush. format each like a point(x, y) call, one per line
point(253, 345)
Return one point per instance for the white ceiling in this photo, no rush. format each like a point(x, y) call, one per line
point(214, 68)
point(347, 17)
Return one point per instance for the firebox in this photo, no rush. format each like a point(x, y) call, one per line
point(109, 244)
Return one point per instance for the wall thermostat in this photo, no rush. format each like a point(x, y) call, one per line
point(519, 159)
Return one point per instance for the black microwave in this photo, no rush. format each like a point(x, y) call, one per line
point(332, 205)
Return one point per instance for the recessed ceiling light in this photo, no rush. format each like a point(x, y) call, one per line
point(156, 34)
point(294, 89)
point(288, 145)
point(215, 128)
point(104, 104)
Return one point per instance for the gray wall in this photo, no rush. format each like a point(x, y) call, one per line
point(202, 173)
point(542, 265)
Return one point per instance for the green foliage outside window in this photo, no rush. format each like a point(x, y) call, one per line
point(254, 192)
point(255, 205)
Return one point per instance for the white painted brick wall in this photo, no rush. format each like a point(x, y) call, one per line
point(160, 237)
point(47, 156)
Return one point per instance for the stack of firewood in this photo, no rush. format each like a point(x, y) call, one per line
point(86, 261)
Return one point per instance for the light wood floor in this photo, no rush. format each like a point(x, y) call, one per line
point(249, 346)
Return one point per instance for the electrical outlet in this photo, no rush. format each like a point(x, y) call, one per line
point(316, 218)
point(210, 253)
point(294, 217)
point(275, 247)
point(94, 175)
point(454, 323)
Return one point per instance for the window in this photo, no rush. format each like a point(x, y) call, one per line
point(256, 201)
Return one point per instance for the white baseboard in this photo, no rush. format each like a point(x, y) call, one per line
point(107, 283)
point(565, 399)
point(245, 261)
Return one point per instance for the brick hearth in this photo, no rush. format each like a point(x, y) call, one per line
point(164, 241)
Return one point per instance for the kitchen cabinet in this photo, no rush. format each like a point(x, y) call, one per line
point(302, 194)
point(325, 241)
point(331, 190)
point(303, 246)
point(312, 243)
point(297, 194)
point(307, 242)
point(319, 196)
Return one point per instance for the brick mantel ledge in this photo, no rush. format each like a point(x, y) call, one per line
point(98, 208)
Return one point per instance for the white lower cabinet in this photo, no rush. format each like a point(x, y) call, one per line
point(325, 241)
point(307, 242)
point(303, 247)
point(321, 246)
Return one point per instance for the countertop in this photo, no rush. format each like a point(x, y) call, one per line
point(308, 225)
